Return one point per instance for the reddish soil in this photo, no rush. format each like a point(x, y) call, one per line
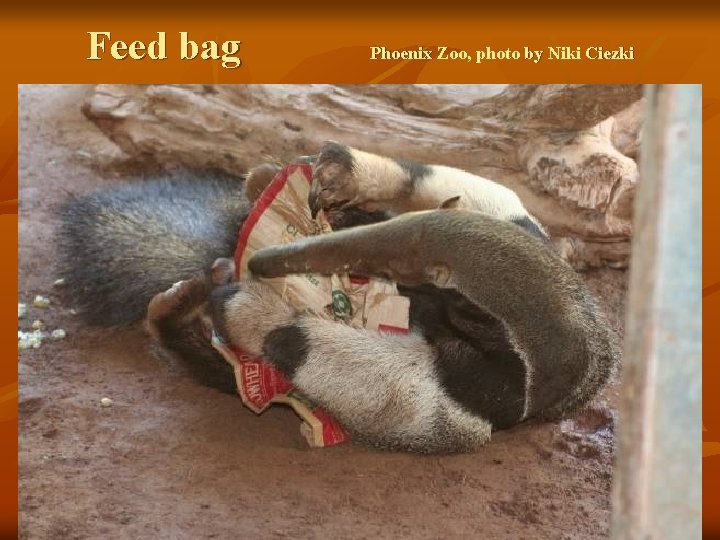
point(171, 459)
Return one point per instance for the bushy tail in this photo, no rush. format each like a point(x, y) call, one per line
point(120, 246)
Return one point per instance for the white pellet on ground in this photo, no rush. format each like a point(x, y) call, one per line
point(34, 339)
point(106, 402)
point(30, 340)
point(22, 311)
point(41, 301)
point(59, 283)
point(58, 333)
point(38, 325)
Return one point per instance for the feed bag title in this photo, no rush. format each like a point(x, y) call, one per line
point(102, 45)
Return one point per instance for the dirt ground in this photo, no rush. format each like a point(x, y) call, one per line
point(173, 460)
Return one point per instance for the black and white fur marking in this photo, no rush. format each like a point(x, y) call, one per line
point(502, 329)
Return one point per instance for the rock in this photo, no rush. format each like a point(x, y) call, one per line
point(626, 129)
point(583, 253)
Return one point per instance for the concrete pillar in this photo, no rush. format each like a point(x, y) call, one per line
point(657, 492)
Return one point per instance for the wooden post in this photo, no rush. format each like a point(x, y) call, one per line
point(657, 492)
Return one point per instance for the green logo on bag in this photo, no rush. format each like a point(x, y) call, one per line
point(341, 306)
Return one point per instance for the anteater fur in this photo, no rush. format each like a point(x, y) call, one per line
point(121, 246)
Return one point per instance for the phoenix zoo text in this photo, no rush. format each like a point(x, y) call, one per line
point(478, 56)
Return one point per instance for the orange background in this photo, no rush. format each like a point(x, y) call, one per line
point(294, 43)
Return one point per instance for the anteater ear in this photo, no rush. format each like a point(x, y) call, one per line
point(453, 202)
point(218, 300)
